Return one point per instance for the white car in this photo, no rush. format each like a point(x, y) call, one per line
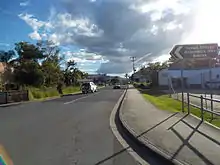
point(89, 87)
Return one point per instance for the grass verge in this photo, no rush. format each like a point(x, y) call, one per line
point(164, 102)
point(39, 94)
point(44, 93)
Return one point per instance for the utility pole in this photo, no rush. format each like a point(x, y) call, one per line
point(133, 60)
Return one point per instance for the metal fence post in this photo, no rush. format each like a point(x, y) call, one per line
point(188, 103)
point(212, 116)
point(183, 102)
point(27, 95)
point(202, 108)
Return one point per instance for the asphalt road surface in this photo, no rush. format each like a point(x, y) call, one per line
point(72, 130)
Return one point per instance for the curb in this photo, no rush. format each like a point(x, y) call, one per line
point(40, 100)
point(117, 134)
point(147, 143)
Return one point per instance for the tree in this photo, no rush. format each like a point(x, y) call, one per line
point(51, 65)
point(71, 73)
point(115, 80)
point(40, 64)
point(27, 51)
point(29, 73)
point(27, 70)
point(6, 56)
point(52, 72)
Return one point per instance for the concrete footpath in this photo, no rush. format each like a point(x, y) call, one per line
point(179, 137)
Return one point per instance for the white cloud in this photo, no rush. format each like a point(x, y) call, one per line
point(110, 32)
point(63, 28)
point(171, 26)
point(55, 38)
point(162, 58)
point(26, 3)
point(154, 29)
point(35, 36)
point(206, 25)
point(79, 26)
point(34, 23)
point(83, 56)
point(160, 5)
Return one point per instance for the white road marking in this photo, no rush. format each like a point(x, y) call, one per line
point(70, 102)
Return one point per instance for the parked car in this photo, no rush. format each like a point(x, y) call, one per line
point(89, 87)
point(117, 86)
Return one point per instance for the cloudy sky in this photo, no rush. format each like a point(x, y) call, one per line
point(102, 35)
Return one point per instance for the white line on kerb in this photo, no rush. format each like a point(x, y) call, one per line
point(80, 98)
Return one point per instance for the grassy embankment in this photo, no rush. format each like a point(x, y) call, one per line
point(164, 102)
point(42, 93)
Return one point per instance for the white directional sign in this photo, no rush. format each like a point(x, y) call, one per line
point(195, 51)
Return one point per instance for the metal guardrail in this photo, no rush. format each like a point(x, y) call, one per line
point(201, 106)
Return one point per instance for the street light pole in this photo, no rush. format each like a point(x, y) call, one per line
point(133, 60)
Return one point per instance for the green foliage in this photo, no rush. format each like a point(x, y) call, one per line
point(41, 93)
point(115, 80)
point(71, 89)
point(39, 65)
point(164, 102)
point(6, 56)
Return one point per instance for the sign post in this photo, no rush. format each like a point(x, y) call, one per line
point(193, 51)
point(182, 84)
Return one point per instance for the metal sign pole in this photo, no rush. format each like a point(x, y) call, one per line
point(194, 51)
point(210, 79)
point(182, 81)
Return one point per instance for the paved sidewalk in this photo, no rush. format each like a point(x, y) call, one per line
point(181, 138)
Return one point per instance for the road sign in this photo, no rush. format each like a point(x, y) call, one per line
point(195, 51)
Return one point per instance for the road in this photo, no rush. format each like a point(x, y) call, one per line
point(197, 101)
point(72, 130)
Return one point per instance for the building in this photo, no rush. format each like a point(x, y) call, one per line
point(141, 77)
point(192, 78)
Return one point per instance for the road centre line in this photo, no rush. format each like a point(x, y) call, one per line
point(69, 102)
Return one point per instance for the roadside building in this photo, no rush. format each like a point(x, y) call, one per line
point(140, 77)
point(192, 78)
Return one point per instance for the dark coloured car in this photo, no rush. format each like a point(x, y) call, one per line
point(117, 86)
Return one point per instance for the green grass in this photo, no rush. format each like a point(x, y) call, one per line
point(69, 90)
point(36, 93)
point(43, 93)
point(164, 102)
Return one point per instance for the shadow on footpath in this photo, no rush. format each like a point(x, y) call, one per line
point(185, 142)
point(143, 151)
